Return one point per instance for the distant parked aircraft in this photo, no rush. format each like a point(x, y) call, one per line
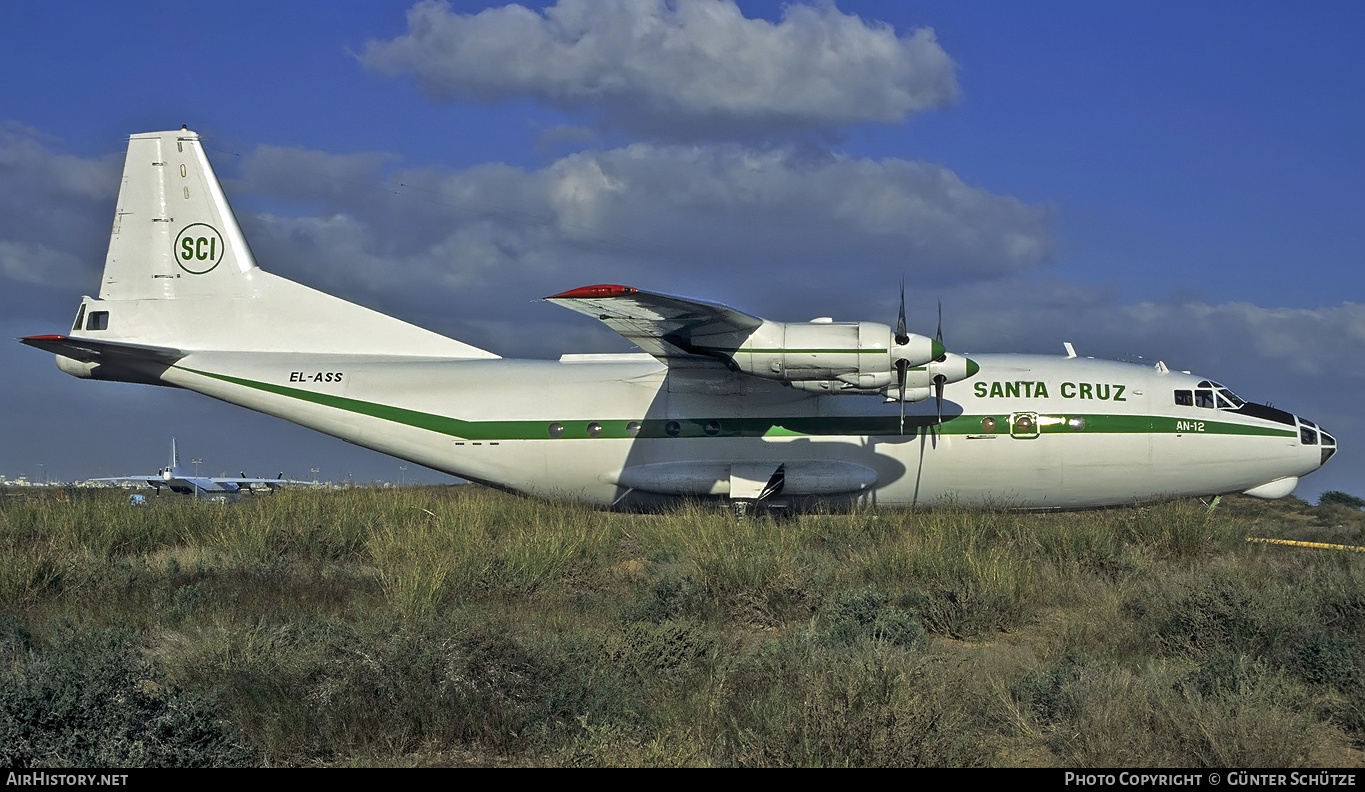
point(179, 480)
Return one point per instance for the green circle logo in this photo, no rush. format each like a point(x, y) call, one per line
point(198, 248)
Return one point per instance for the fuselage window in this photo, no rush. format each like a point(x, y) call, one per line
point(97, 320)
point(1203, 398)
point(1184, 398)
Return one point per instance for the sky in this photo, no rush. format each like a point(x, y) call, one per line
point(1181, 182)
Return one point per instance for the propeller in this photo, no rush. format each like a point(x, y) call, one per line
point(902, 338)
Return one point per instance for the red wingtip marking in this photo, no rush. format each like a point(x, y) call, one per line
point(44, 338)
point(600, 290)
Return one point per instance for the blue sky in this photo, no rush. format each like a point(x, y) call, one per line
point(1180, 181)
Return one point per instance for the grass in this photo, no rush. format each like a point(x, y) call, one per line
point(461, 626)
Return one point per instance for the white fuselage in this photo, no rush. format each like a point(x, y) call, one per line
point(1025, 432)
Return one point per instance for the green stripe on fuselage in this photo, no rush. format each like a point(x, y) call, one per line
point(790, 351)
point(776, 426)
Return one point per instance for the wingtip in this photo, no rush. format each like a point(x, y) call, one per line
point(600, 290)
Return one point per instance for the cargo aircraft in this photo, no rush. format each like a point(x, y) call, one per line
point(718, 404)
point(181, 481)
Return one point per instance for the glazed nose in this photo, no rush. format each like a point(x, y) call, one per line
point(1311, 434)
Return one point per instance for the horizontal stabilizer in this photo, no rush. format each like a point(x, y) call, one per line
point(113, 353)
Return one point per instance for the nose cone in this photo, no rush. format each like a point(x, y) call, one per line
point(952, 368)
point(1314, 448)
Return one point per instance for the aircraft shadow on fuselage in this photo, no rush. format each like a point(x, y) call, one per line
point(707, 446)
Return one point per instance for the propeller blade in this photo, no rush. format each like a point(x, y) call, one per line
point(902, 366)
point(902, 336)
point(939, 380)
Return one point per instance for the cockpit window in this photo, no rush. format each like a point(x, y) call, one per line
point(1209, 395)
point(1308, 436)
point(1328, 439)
point(80, 319)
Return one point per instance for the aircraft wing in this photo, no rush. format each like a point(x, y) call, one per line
point(151, 481)
point(89, 350)
point(667, 327)
point(269, 482)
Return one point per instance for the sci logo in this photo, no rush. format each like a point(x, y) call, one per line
point(199, 248)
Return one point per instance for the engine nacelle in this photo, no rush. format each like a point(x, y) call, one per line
point(860, 355)
point(837, 388)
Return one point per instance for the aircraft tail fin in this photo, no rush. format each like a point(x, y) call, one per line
point(175, 458)
point(174, 233)
point(180, 275)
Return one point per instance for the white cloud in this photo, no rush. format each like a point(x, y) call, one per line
point(1310, 361)
point(55, 211)
point(29, 164)
point(681, 69)
point(561, 134)
point(1026, 315)
point(1293, 341)
point(40, 265)
point(710, 220)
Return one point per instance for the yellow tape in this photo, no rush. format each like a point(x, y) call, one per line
point(1320, 545)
